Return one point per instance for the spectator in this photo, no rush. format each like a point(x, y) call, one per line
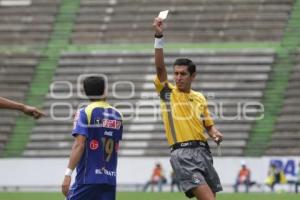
point(174, 181)
point(157, 178)
point(298, 179)
point(243, 178)
point(275, 176)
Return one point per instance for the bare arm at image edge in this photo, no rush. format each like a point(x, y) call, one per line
point(26, 109)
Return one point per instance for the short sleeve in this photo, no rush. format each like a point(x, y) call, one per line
point(80, 126)
point(120, 131)
point(159, 85)
point(163, 88)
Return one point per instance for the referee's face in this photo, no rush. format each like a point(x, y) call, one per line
point(183, 78)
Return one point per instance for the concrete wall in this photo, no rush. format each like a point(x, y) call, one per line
point(43, 173)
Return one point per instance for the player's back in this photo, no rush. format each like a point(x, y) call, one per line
point(101, 124)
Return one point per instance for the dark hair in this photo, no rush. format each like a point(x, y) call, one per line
point(94, 87)
point(187, 62)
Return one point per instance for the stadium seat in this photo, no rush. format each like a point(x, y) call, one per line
point(222, 77)
point(30, 24)
point(286, 137)
point(189, 21)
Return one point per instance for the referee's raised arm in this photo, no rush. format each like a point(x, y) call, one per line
point(159, 53)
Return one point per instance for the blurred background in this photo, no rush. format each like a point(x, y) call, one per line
point(247, 54)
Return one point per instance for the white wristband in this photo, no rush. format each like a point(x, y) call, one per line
point(68, 172)
point(159, 43)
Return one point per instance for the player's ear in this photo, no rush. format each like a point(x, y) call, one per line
point(193, 76)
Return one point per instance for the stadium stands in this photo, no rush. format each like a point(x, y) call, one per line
point(28, 22)
point(229, 80)
point(190, 21)
point(231, 77)
point(16, 72)
point(286, 137)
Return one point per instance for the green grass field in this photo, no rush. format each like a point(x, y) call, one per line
point(150, 196)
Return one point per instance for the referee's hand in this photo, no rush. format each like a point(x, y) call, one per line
point(215, 134)
point(66, 185)
point(158, 25)
point(217, 137)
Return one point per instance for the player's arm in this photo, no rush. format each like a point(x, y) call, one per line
point(159, 53)
point(28, 110)
point(76, 153)
point(214, 133)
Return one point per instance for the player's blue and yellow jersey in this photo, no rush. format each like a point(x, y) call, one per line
point(102, 126)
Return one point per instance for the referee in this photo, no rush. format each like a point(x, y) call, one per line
point(186, 118)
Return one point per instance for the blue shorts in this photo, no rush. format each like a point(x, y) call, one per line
point(92, 192)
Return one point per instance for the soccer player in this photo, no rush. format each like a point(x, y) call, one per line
point(97, 130)
point(186, 117)
point(26, 109)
